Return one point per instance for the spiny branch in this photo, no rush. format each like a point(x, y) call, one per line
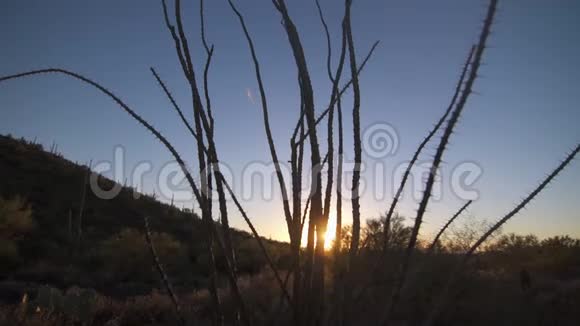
point(127, 109)
point(439, 154)
point(342, 90)
point(334, 80)
point(444, 294)
point(259, 240)
point(459, 212)
point(209, 51)
point(415, 157)
point(222, 180)
point(161, 271)
point(357, 137)
point(176, 41)
point(174, 103)
point(524, 202)
point(453, 121)
point(264, 103)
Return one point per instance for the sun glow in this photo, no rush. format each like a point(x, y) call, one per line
point(330, 233)
point(329, 236)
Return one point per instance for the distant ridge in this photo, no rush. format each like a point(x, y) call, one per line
point(52, 186)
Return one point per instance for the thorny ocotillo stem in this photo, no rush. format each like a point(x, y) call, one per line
point(219, 176)
point(524, 202)
point(209, 51)
point(264, 103)
point(453, 120)
point(313, 268)
point(174, 104)
point(338, 231)
point(200, 120)
point(357, 138)
point(181, 44)
point(342, 91)
point(334, 81)
point(480, 48)
point(132, 113)
point(436, 239)
point(127, 109)
point(185, 66)
point(175, 38)
point(161, 270)
point(213, 157)
point(308, 199)
point(426, 140)
point(260, 243)
point(444, 294)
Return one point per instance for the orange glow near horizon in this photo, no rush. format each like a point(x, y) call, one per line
point(330, 233)
point(328, 237)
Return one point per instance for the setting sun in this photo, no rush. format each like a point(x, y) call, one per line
point(318, 168)
point(329, 237)
point(330, 233)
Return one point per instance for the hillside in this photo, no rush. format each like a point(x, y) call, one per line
point(111, 254)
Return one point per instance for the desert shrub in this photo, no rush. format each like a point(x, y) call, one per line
point(250, 259)
point(15, 218)
point(9, 255)
point(559, 256)
point(15, 222)
point(126, 255)
point(513, 243)
point(373, 235)
point(461, 235)
point(560, 242)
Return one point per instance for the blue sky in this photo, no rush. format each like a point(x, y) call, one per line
point(520, 124)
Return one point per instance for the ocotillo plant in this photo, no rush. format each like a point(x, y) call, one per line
point(166, 283)
point(420, 148)
point(317, 220)
point(447, 224)
point(307, 298)
point(454, 118)
point(443, 295)
point(141, 121)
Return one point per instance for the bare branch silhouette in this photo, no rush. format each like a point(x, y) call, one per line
point(436, 239)
point(264, 103)
point(161, 271)
point(443, 296)
point(174, 103)
point(342, 90)
point(439, 153)
point(420, 149)
point(223, 181)
point(357, 138)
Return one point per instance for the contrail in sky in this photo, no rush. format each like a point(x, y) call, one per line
point(250, 95)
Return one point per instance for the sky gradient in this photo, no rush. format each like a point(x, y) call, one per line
point(522, 121)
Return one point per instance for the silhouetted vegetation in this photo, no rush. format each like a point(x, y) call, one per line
point(68, 256)
point(39, 194)
point(110, 275)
